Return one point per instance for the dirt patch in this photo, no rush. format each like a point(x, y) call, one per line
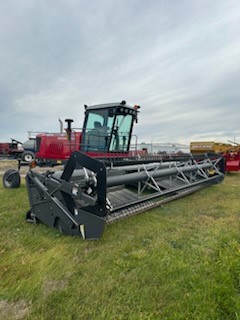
point(13, 310)
point(8, 164)
point(13, 164)
point(53, 285)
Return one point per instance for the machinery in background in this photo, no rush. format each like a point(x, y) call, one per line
point(102, 182)
point(17, 150)
point(230, 152)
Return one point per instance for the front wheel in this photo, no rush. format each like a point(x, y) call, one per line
point(11, 179)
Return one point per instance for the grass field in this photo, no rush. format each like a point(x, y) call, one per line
point(180, 261)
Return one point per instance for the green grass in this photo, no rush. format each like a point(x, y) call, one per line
point(180, 261)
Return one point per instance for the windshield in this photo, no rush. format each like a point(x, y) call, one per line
point(121, 133)
point(107, 130)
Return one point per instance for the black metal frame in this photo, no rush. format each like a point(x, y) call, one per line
point(55, 201)
point(82, 198)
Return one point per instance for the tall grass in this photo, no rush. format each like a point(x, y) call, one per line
point(179, 261)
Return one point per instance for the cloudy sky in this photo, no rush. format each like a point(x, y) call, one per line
point(179, 60)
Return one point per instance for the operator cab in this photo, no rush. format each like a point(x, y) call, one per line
point(108, 128)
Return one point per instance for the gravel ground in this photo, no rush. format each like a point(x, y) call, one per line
point(8, 164)
point(13, 164)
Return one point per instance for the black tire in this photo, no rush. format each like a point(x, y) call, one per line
point(28, 156)
point(11, 179)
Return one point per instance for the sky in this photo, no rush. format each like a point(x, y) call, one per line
point(178, 59)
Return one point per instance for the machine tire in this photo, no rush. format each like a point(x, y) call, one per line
point(28, 156)
point(11, 179)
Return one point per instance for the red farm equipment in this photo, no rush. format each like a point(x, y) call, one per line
point(107, 132)
point(232, 158)
point(102, 181)
point(11, 149)
point(18, 150)
point(230, 152)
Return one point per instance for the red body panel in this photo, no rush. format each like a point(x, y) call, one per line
point(233, 165)
point(233, 161)
point(5, 148)
point(56, 146)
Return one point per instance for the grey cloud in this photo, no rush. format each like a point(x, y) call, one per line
point(179, 60)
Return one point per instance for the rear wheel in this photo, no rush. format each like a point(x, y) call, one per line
point(11, 179)
point(28, 156)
